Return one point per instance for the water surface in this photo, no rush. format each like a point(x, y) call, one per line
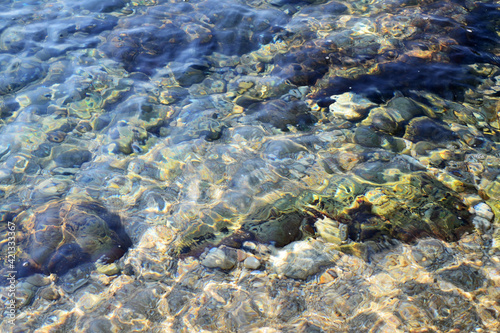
point(146, 132)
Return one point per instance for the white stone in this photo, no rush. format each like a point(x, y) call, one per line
point(483, 210)
point(249, 245)
point(481, 223)
point(301, 259)
point(350, 106)
point(251, 263)
point(219, 258)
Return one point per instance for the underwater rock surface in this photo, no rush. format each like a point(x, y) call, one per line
point(250, 165)
point(63, 234)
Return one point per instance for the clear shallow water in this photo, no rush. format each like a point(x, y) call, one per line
point(212, 122)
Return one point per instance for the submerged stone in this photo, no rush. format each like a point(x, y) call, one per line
point(464, 276)
point(63, 234)
point(350, 106)
point(427, 129)
point(223, 258)
point(300, 260)
point(73, 158)
point(17, 73)
point(282, 114)
point(354, 215)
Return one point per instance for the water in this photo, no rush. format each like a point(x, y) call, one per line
point(351, 147)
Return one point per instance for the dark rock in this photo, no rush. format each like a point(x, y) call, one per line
point(73, 158)
point(18, 73)
point(56, 136)
point(464, 276)
point(64, 234)
point(281, 114)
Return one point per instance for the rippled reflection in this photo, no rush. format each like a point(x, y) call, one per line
point(259, 165)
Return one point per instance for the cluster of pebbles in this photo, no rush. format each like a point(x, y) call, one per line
point(306, 286)
point(252, 166)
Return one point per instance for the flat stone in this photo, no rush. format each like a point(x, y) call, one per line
point(299, 260)
point(111, 269)
point(39, 280)
point(350, 106)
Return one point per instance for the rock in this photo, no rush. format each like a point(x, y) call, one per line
point(327, 276)
point(481, 224)
point(483, 210)
point(251, 263)
point(172, 95)
point(56, 136)
point(249, 245)
point(39, 280)
point(391, 118)
point(110, 269)
point(128, 138)
point(427, 129)
point(51, 187)
point(76, 278)
point(301, 259)
point(483, 217)
point(188, 74)
point(281, 114)
point(350, 106)
point(99, 325)
point(223, 258)
point(291, 306)
point(50, 294)
point(368, 137)
point(242, 255)
point(19, 72)
point(430, 253)
point(464, 276)
point(331, 231)
point(73, 158)
point(63, 234)
point(24, 293)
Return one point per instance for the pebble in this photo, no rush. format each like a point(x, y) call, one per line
point(350, 106)
point(249, 245)
point(484, 215)
point(50, 294)
point(223, 258)
point(24, 293)
point(429, 252)
point(39, 280)
point(251, 263)
point(56, 136)
point(483, 210)
point(51, 187)
point(481, 224)
point(111, 269)
point(76, 278)
point(242, 255)
point(73, 158)
point(301, 259)
point(327, 277)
